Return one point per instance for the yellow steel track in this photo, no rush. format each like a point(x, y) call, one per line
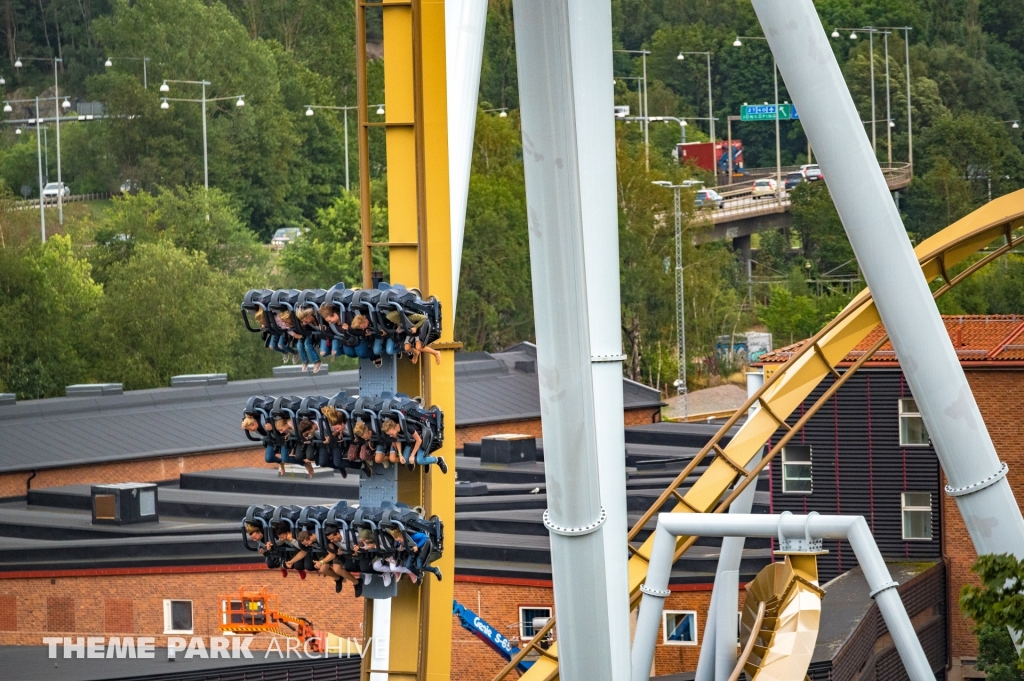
point(788, 386)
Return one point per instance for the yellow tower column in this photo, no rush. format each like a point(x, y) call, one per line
point(419, 242)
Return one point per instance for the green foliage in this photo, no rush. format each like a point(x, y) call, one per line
point(994, 606)
point(495, 296)
point(821, 232)
point(48, 303)
point(329, 251)
point(792, 315)
point(188, 217)
point(165, 312)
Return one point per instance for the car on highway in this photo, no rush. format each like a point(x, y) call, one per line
point(811, 172)
point(793, 179)
point(52, 189)
point(284, 236)
point(708, 197)
point(765, 187)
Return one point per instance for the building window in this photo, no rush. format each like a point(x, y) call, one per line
point(912, 430)
point(796, 469)
point(532, 620)
point(177, 617)
point(680, 627)
point(917, 515)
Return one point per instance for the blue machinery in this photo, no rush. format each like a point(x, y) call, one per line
point(475, 625)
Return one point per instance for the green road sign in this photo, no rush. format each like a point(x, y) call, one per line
point(766, 112)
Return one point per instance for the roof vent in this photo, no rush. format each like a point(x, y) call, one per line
point(198, 379)
point(7, 399)
point(293, 371)
point(527, 367)
point(94, 389)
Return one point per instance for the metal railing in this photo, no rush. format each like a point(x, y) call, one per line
point(52, 200)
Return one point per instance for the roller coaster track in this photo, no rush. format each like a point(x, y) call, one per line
point(786, 389)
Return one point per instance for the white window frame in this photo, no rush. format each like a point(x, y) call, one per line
point(665, 629)
point(523, 623)
point(919, 509)
point(909, 415)
point(809, 463)
point(169, 619)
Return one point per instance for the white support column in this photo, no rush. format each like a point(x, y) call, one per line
point(380, 639)
point(590, 32)
point(728, 559)
point(464, 22)
point(727, 588)
point(976, 477)
point(575, 517)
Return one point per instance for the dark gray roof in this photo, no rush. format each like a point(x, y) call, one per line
point(503, 387)
point(846, 602)
point(64, 431)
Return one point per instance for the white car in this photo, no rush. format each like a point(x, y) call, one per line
point(708, 197)
point(284, 236)
point(52, 189)
point(811, 172)
point(765, 187)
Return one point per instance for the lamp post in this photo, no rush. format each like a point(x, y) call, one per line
point(778, 144)
point(1015, 124)
point(144, 60)
point(681, 56)
point(886, 30)
point(41, 150)
point(57, 106)
point(643, 103)
point(164, 105)
point(680, 382)
point(345, 109)
point(60, 190)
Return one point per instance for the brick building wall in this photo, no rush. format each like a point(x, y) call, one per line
point(1000, 397)
point(57, 604)
point(156, 469)
point(464, 434)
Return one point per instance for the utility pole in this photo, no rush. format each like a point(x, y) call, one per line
point(60, 183)
point(680, 382)
point(871, 59)
point(42, 211)
point(888, 102)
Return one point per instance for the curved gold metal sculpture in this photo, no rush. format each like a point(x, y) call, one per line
point(786, 388)
point(789, 596)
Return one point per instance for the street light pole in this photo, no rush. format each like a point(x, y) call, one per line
point(888, 101)
point(42, 211)
point(711, 115)
point(680, 383)
point(778, 143)
point(647, 125)
point(642, 102)
point(240, 102)
point(345, 110)
point(206, 161)
point(871, 59)
point(910, 127)
point(56, 108)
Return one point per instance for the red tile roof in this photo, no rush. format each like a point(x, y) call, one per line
point(976, 338)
